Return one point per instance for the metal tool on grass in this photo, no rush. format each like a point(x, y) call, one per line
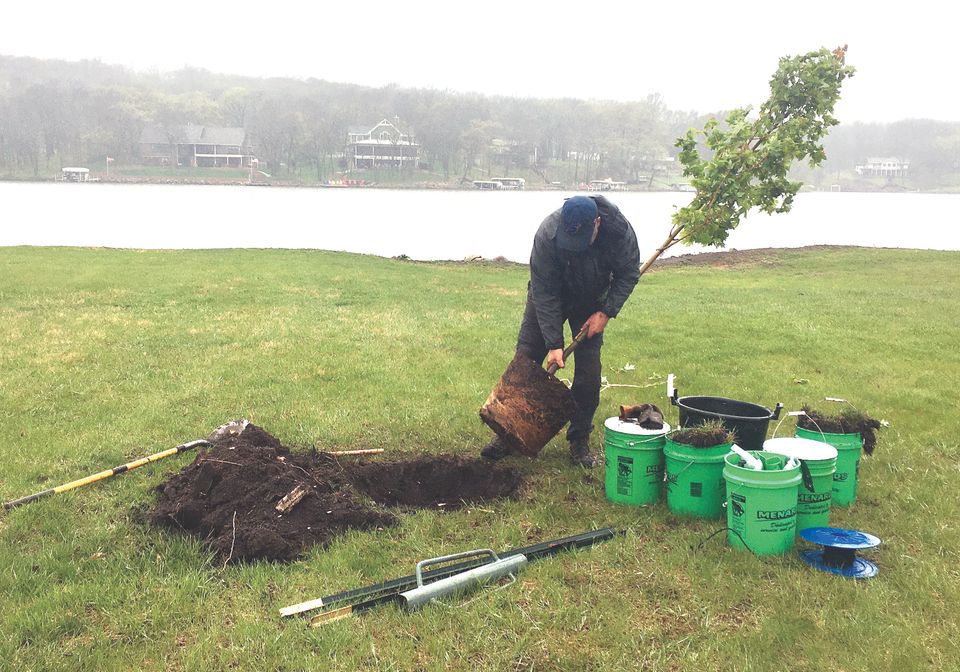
point(107, 473)
point(497, 568)
point(529, 405)
point(352, 602)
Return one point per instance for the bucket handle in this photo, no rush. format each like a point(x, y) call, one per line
point(631, 444)
point(689, 464)
point(798, 414)
point(577, 340)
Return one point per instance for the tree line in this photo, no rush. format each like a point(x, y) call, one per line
point(56, 113)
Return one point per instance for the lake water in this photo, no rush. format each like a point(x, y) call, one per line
point(427, 225)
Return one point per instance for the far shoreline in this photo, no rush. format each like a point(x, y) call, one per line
point(421, 186)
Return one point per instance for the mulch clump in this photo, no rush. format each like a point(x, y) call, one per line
point(228, 495)
point(847, 421)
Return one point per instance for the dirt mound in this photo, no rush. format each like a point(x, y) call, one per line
point(733, 257)
point(228, 495)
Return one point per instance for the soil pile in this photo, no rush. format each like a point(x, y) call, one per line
point(228, 495)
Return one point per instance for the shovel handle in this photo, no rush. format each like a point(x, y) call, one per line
point(106, 474)
point(577, 340)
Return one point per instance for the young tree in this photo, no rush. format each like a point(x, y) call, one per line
point(751, 157)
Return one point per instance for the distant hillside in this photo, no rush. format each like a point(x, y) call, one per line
point(58, 113)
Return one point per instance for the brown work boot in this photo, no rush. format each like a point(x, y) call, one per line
point(580, 454)
point(495, 450)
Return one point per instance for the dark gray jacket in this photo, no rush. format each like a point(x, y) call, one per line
point(565, 283)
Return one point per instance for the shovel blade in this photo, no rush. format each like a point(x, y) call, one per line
point(528, 406)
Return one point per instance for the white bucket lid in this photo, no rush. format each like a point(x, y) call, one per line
point(615, 424)
point(802, 449)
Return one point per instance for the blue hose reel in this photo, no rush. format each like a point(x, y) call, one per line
point(838, 554)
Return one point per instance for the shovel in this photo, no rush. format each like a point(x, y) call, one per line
point(80, 482)
point(529, 405)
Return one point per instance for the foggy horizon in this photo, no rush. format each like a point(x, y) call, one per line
point(696, 57)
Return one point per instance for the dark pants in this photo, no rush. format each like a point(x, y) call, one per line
point(586, 370)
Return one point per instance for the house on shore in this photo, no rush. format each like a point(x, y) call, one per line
point(382, 146)
point(195, 146)
point(884, 166)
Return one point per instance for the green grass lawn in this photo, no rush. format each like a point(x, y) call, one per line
point(107, 355)
point(180, 173)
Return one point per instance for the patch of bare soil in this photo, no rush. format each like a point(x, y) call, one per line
point(727, 258)
point(434, 481)
point(228, 496)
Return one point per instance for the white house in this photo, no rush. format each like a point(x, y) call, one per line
point(883, 166)
point(384, 145)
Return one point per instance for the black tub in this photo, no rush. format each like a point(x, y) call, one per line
point(748, 421)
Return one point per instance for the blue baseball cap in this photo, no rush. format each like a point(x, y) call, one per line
point(576, 223)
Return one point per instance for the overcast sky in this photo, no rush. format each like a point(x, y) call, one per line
point(702, 56)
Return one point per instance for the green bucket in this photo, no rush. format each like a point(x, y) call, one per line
point(820, 460)
point(848, 462)
point(694, 478)
point(761, 505)
point(634, 462)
